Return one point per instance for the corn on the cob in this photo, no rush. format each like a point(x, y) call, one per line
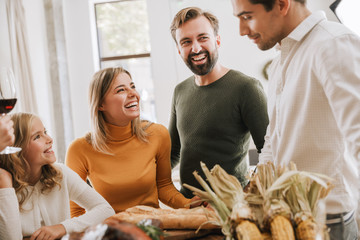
point(247, 230)
point(307, 230)
point(302, 191)
point(266, 236)
point(281, 228)
point(274, 213)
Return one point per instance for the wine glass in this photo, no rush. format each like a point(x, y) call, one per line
point(7, 99)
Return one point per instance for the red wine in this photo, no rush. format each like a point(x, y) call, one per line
point(6, 105)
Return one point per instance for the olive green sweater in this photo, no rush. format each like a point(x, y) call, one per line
point(213, 124)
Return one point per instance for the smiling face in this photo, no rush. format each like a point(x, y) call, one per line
point(121, 102)
point(198, 45)
point(264, 28)
point(38, 151)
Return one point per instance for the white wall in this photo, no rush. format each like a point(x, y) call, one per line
point(5, 59)
point(80, 60)
point(164, 67)
point(35, 23)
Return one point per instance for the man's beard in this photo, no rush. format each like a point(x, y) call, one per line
point(266, 46)
point(205, 68)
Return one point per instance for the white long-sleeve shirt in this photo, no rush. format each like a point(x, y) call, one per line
point(314, 106)
point(44, 209)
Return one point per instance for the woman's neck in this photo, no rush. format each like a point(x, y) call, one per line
point(34, 177)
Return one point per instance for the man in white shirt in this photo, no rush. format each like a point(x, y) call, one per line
point(313, 98)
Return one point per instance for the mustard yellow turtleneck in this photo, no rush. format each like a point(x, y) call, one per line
point(138, 173)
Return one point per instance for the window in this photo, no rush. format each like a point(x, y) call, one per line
point(123, 40)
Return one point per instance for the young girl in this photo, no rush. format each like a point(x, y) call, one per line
point(35, 191)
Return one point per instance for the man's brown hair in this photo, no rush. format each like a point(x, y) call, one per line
point(269, 4)
point(190, 13)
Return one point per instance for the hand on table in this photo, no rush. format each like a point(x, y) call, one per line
point(7, 136)
point(49, 232)
point(197, 202)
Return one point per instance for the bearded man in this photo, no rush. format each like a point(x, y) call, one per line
point(215, 110)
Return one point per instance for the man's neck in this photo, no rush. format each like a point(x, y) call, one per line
point(216, 73)
point(297, 13)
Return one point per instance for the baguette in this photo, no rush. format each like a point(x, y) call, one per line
point(170, 218)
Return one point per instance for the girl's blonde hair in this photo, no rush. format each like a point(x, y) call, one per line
point(17, 165)
point(99, 86)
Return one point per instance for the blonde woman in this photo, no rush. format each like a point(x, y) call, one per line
point(35, 191)
point(127, 160)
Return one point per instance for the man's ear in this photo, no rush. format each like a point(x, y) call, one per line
point(284, 6)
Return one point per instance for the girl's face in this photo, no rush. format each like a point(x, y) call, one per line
point(39, 151)
point(121, 102)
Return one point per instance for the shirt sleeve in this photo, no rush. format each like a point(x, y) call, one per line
point(175, 139)
point(339, 73)
point(168, 194)
point(75, 161)
point(10, 224)
point(97, 208)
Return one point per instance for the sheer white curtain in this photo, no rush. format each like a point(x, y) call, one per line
point(20, 56)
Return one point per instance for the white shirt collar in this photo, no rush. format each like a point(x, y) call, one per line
point(304, 27)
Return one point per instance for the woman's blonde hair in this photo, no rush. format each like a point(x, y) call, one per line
point(17, 165)
point(99, 86)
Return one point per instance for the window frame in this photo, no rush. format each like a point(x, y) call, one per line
point(98, 50)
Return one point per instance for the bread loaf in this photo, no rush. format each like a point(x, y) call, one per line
point(171, 218)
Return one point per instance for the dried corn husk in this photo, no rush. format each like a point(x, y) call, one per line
point(228, 199)
point(222, 212)
point(271, 210)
